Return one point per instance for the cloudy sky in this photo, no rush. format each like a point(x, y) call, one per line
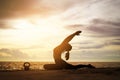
point(30, 29)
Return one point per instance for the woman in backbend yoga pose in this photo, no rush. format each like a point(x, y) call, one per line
point(57, 52)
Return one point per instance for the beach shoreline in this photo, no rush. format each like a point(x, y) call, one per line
point(80, 74)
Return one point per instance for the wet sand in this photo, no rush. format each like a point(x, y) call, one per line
point(81, 74)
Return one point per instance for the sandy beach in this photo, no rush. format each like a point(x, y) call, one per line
point(81, 74)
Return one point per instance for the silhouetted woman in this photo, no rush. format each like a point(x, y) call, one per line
point(57, 52)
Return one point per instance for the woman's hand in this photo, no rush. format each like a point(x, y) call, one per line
point(78, 32)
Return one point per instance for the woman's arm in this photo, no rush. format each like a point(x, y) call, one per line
point(70, 37)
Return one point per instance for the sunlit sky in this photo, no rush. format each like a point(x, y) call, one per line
point(31, 29)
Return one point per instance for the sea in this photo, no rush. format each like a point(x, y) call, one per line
point(39, 65)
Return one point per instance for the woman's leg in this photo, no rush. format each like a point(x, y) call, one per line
point(86, 66)
point(66, 65)
point(52, 67)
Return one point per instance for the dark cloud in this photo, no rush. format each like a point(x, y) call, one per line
point(104, 28)
point(23, 8)
point(12, 54)
point(98, 46)
point(114, 42)
point(26, 8)
point(117, 39)
point(98, 28)
point(102, 21)
point(13, 8)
